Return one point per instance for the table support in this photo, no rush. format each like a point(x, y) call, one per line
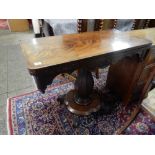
point(83, 100)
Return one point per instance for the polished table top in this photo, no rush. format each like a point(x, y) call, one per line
point(51, 51)
point(143, 33)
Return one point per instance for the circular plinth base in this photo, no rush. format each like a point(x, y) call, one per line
point(80, 109)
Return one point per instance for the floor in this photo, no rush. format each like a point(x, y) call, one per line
point(14, 77)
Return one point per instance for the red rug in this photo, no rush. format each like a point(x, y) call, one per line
point(40, 114)
point(142, 125)
point(3, 24)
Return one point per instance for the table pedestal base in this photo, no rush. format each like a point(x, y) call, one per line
point(81, 109)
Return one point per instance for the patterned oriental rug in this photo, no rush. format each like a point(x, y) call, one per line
point(40, 114)
point(142, 125)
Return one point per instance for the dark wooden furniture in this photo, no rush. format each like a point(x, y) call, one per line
point(150, 23)
point(140, 24)
point(143, 24)
point(50, 56)
point(127, 70)
point(104, 24)
point(82, 25)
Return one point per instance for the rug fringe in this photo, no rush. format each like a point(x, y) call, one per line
point(8, 120)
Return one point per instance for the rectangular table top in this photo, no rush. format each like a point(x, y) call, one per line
point(148, 34)
point(55, 50)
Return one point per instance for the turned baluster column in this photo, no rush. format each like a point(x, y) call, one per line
point(84, 87)
point(83, 100)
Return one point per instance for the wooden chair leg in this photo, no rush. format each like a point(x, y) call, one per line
point(97, 73)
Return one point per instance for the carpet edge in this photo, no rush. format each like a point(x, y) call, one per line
point(9, 118)
point(9, 111)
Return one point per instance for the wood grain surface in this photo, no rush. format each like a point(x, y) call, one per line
point(51, 51)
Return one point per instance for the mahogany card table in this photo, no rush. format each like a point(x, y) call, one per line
point(49, 56)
